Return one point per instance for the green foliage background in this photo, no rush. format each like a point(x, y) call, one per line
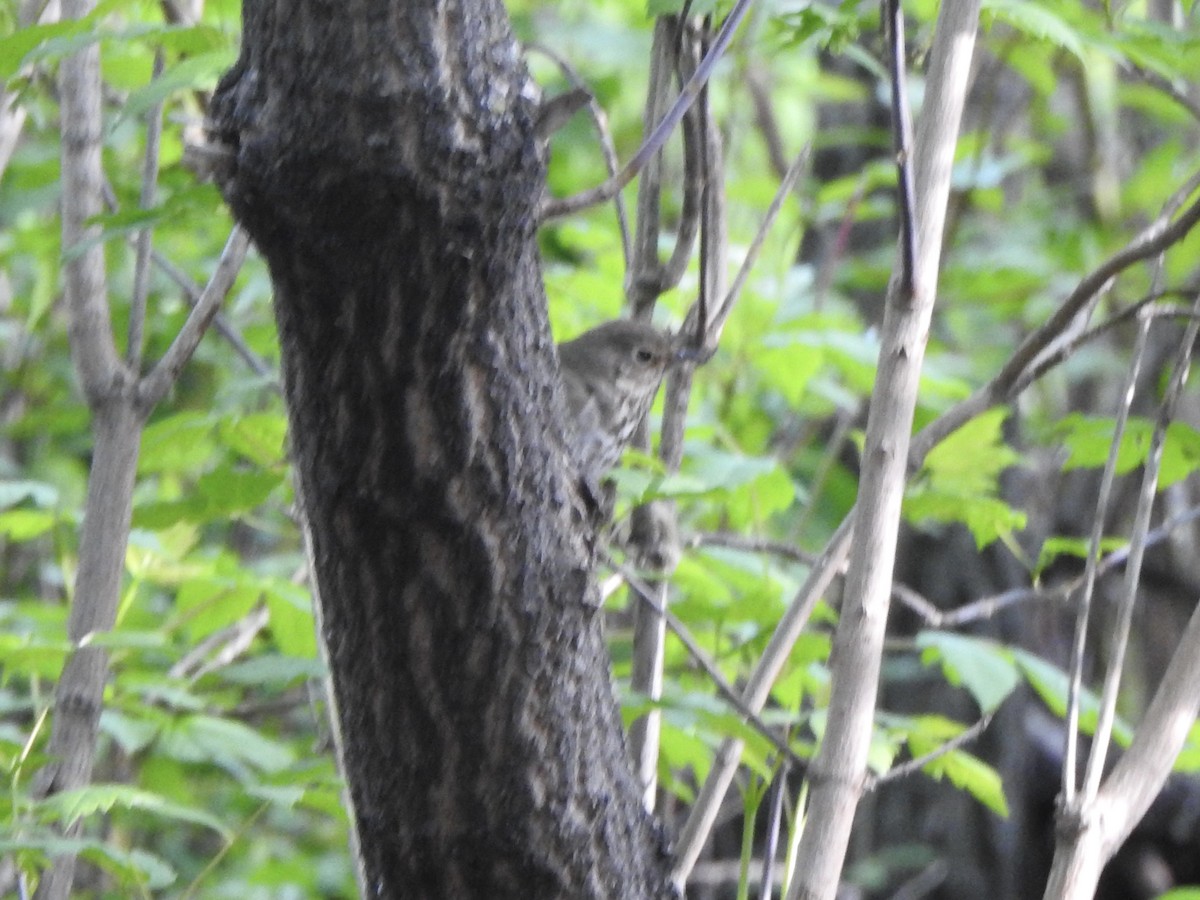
point(216, 777)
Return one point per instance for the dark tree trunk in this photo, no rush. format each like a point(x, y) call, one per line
point(385, 163)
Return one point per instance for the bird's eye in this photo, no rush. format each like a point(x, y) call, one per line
point(642, 355)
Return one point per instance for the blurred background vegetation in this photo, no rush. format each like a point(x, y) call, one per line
point(216, 777)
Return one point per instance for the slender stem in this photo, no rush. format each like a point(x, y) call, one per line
point(141, 266)
point(156, 384)
point(1137, 546)
point(85, 281)
point(1069, 774)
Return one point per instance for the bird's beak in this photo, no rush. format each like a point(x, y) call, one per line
point(697, 355)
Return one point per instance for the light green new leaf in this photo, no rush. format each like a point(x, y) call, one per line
point(1035, 20)
point(960, 481)
point(986, 669)
point(70, 806)
point(1050, 683)
point(971, 774)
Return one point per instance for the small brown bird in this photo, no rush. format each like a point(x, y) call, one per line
point(611, 373)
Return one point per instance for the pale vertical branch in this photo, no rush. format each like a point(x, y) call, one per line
point(141, 265)
point(1090, 831)
point(118, 416)
point(1069, 774)
point(642, 288)
point(758, 687)
point(648, 279)
point(85, 283)
point(902, 142)
point(1133, 568)
point(838, 771)
point(105, 383)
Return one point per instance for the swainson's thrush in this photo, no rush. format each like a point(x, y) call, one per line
point(611, 373)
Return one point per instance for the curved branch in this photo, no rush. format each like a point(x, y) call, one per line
point(160, 379)
point(662, 131)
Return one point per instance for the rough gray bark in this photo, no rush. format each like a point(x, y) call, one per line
point(384, 160)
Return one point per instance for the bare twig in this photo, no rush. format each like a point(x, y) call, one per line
point(712, 199)
point(764, 117)
point(1160, 83)
point(643, 285)
point(758, 687)
point(159, 380)
point(1088, 839)
point(711, 334)
point(1070, 771)
point(1119, 635)
point(691, 206)
point(649, 635)
point(988, 606)
point(662, 131)
point(221, 647)
point(1156, 238)
point(751, 544)
point(647, 595)
point(192, 292)
point(774, 827)
point(1063, 350)
point(917, 763)
point(603, 132)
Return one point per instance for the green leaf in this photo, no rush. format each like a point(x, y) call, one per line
point(971, 774)
point(960, 481)
point(181, 442)
point(986, 669)
point(971, 459)
point(135, 867)
point(1088, 438)
point(131, 734)
point(68, 807)
point(1050, 683)
point(274, 669)
point(16, 46)
point(229, 490)
point(25, 524)
point(1189, 757)
point(225, 743)
point(197, 72)
point(32, 656)
point(1054, 547)
point(987, 518)
point(209, 604)
point(292, 626)
point(258, 437)
point(1038, 22)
